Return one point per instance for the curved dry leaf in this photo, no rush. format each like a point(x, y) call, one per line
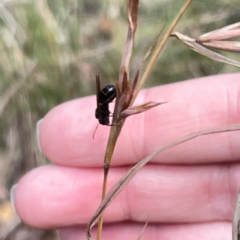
point(139, 109)
point(203, 50)
point(132, 27)
point(119, 186)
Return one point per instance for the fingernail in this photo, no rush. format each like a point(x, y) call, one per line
point(12, 195)
point(38, 134)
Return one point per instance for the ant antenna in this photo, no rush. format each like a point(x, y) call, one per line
point(95, 131)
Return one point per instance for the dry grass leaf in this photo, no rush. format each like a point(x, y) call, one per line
point(132, 27)
point(215, 39)
point(229, 46)
point(227, 32)
point(139, 109)
point(125, 179)
point(197, 47)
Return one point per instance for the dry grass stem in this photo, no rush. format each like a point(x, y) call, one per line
point(160, 47)
point(126, 90)
point(123, 92)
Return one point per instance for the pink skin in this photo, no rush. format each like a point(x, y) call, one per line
point(187, 192)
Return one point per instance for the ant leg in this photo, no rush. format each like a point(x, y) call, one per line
point(95, 131)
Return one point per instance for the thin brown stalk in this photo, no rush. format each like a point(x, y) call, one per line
point(160, 47)
point(126, 91)
point(122, 87)
point(114, 133)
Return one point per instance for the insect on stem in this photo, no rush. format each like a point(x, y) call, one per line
point(104, 97)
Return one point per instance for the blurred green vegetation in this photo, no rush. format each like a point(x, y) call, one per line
point(52, 50)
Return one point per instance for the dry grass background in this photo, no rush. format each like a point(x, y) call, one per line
point(52, 50)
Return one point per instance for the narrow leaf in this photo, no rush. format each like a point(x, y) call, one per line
point(231, 46)
point(204, 51)
point(119, 186)
point(132, 26)
point(139, 109)
point(133, 93)
point(230, 31)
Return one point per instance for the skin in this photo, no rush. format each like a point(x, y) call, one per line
point(187, 192)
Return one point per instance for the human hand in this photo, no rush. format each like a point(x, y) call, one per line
point(187, 192)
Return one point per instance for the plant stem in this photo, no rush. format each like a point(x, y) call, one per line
point(160, 46)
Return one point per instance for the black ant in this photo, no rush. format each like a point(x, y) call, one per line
point(104, 97)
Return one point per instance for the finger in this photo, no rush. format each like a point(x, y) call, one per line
point(130, 231)
point(54, 196)
point(66, 131)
